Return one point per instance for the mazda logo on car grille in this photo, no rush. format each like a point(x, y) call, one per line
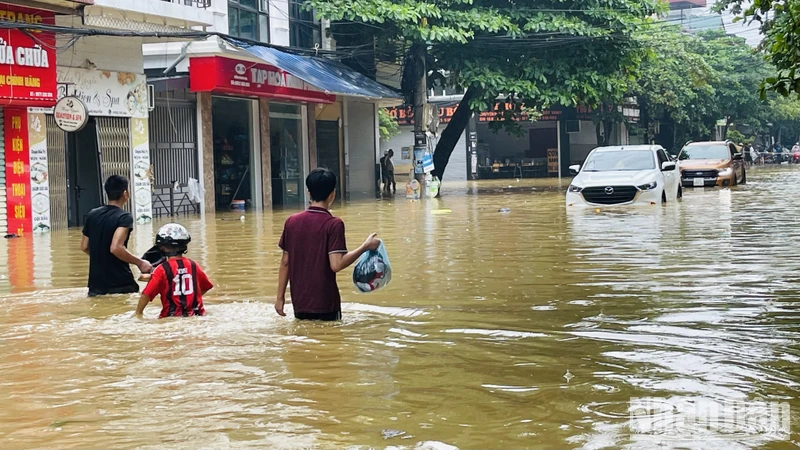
point(609, 190)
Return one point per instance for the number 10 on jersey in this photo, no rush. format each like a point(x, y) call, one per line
point(184, 284)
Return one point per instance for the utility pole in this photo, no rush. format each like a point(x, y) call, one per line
point(420, 99)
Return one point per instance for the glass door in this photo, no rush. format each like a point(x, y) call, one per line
point(286, 148)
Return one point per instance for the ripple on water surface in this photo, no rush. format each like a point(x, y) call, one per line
point(528, 328)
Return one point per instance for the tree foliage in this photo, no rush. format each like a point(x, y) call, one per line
point(693, 80)
point(780, 25)
point(533, 53)
point(784, 116)
point(387, 124)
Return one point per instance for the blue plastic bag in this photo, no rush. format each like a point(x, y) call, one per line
point(372, 270)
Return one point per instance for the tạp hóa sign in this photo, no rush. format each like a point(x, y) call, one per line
point(27, 61)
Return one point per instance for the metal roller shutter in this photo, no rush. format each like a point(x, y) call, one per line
point(57, 168)
point(113, 135)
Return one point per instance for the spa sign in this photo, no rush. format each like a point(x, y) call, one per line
point(106, 93)
point(27, 61)
point(70, 114)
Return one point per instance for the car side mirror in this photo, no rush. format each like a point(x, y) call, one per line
point(737, 156)
point(666, 166)
point(575, 169)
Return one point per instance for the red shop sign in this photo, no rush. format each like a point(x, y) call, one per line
point(245, 78)
point(18, 171)
point(27, 62)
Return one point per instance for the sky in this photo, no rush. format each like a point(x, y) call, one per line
point(742, 29)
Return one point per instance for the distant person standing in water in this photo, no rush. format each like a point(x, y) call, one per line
point(314, 251)
point(383, 170)
point(390, 173)
point(105, 240)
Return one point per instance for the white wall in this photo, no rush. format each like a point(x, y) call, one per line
point(456, 168)
point(580, 144)
point(157, 13)
point(118, 54)
point(361, 149)
point(405, 139)
point(279, 22)
point(504, 145)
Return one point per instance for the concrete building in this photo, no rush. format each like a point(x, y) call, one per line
point(55, 177)
point(249, 122)
point(557, 135)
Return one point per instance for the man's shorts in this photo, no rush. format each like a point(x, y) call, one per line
point(325, 317)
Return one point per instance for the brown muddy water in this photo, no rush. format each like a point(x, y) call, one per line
point(530, 329)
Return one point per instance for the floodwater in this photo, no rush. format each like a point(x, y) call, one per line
point(528, 329)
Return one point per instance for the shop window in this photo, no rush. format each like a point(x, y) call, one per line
point(304, 28)
point(288, 153)
point(249, 19)
point(233, 160)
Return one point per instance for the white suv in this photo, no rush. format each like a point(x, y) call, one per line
point(625, 175)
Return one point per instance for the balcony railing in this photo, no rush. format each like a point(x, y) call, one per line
point(196, 3)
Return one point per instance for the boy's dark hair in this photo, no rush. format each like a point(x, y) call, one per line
point(320, 183)
point(173, 249)
point(115, 186)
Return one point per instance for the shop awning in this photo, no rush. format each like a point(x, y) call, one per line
point(325, 74)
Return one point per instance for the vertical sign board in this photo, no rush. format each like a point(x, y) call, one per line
point(40, 199)
point(40, 186)
point(142, 189)
point(18, 171)
point(552, 160)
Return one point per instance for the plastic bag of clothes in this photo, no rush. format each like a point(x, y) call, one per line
point(372, 270)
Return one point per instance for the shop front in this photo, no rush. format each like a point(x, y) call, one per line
point(531, 153)
point(259, 154)
point(27, 82)
point(113, 140)
point(548, 143)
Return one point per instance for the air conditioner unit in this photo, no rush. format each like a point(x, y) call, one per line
point(573, 126)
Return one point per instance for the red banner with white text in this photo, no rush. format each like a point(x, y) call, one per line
point(18, 171)
point(27, 58)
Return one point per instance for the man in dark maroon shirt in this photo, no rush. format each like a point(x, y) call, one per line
point(314, 251)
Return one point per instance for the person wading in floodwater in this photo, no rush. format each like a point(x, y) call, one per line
point(389, 173)
point(314, 251)
point(105, 240)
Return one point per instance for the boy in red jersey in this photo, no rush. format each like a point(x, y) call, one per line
point(179, 281)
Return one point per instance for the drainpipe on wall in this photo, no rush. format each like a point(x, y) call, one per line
point(179, 59)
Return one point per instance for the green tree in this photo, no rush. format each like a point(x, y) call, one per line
point(784, 114)
point(388, 125)
point(694, 80)
point(780, 25)
point(738, 74)
point(532, 53)
point(675, 83)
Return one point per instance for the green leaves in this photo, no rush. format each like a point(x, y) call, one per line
point(781, 29)
point(387, 125)
point(537, 53)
